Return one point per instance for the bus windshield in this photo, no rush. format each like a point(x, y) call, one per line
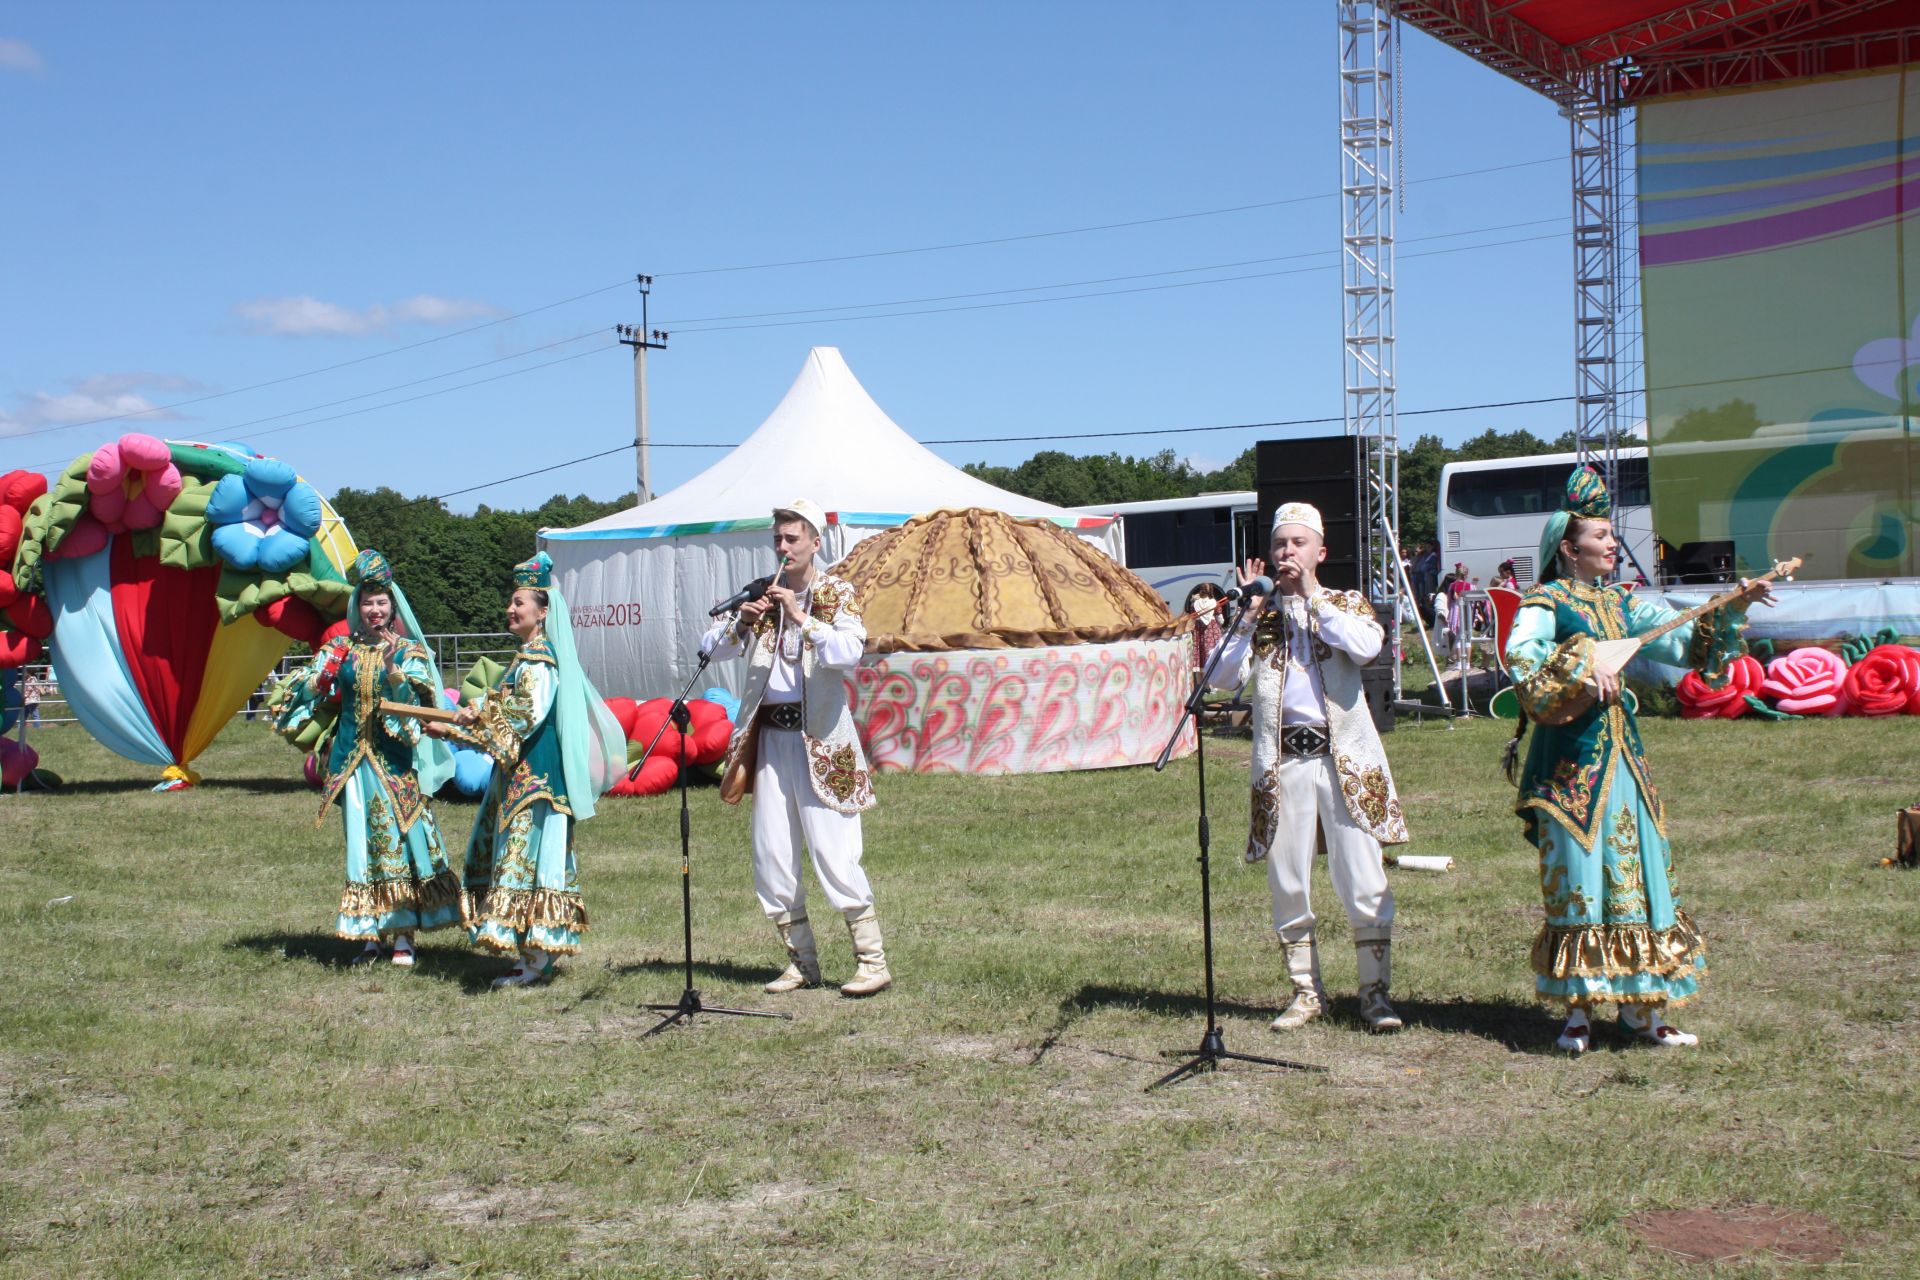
point(1535, 490)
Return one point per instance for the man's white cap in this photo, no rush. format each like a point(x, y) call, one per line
point(808, 511)
point(1299, 513)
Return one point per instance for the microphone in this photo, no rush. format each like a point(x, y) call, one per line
point(752, 591)
point(1260, 586)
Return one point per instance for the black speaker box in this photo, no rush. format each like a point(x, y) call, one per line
point(1331, 473)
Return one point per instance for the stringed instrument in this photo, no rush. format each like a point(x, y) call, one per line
point(1610, 657)
point(414, 711)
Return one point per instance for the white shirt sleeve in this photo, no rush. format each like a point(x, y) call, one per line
point(723, 640)
point(1235, 651)
point(1359, 638)
point(839, 646)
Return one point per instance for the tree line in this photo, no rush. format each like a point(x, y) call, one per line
point(456, 568)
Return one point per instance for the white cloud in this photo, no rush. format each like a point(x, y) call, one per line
point(306, 317)
point(18, 55)
point(97, 396)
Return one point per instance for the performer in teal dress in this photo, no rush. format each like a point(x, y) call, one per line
point(555, 749)
point(380, 768)
point(1615, 929)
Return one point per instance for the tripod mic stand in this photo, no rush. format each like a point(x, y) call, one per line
point(1213, 1046)
point(689, 1003)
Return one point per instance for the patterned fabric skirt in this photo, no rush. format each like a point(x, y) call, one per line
point(522, 887)
point(1614, 929)
point(395, 883)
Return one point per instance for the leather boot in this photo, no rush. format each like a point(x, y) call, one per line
point(1374, 957)
point(803, 960)
point(872, 974)
point(1303, 970)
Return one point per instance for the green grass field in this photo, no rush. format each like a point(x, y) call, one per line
point(192, 1083)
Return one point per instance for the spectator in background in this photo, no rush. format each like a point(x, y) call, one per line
point(1203, 602)
point(1505, 576)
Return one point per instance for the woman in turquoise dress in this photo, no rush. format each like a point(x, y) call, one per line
point(555, 749)
point(380, 768)
point(1615, 929)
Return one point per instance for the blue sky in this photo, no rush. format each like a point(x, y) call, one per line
point(209, 197)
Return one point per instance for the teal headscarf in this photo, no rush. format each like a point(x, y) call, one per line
point(593, 746)
point(1587, 497)
point(432, 758)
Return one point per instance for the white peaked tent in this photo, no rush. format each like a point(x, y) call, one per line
point(639, 583)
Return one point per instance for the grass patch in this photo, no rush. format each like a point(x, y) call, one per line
point(193, 1083)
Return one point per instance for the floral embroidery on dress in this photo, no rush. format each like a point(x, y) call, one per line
point(1626, 882)
point(1369, 796)
point(1265, 823)
point(838, 770)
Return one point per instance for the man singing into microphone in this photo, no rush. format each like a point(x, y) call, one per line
point(796, 747)
point(1318, 767)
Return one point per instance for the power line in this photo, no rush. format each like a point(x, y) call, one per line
point(540, 471)
point(344, 364)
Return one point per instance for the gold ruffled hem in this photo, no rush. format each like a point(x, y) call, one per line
point(383, 897)
point(1618, 950)
point(521, 911)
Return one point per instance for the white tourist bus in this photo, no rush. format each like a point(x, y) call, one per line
point(1178, 543)
point(1493, 510)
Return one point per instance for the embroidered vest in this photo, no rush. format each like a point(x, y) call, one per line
point(358, 674)
point(837, 764)
point(1569, 767)
point(538, 774)
point(1359, 760)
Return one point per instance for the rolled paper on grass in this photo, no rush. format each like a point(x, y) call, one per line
point(414, 711)
point(1421, 862)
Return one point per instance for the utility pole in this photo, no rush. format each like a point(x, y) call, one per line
point(642, 339)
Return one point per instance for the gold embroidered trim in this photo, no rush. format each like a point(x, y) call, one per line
point(383, 897)
point(1558, 680)
point(522, 910)
point(1617, 950)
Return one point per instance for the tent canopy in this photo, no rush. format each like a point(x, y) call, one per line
point(828, 441)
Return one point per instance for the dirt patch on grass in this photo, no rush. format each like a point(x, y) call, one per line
point(1716, 1235)
point(482, 1206)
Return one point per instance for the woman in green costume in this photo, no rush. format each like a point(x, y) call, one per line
point(555, 749)
point(381, 768)
point(1615, 929)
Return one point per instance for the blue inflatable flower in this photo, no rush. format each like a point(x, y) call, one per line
point(263, 517)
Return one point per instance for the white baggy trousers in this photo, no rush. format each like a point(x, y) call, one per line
point(1312, 809)
point(786, 812)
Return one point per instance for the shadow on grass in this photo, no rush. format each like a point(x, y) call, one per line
point(1516, 1026)
point(717, 970)
point(133, 786)
point(474, 971)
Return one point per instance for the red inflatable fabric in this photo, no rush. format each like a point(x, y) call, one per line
point(648, 718)
point(709, 740)
point(657, 774)
point(623, 710)
point(30, 615)
point(9, 535)
point(17, 649)
point(292, 616)
point(166, 618)
point(1885, 682)
point(1698, 702)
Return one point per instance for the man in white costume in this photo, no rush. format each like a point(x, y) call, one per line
point(1319, 772)
point(796, 749)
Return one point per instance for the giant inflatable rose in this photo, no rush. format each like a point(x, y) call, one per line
point(1699, 702)
point(1885, 682)
point(1806, 682)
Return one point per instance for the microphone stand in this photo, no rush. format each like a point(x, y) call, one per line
point(1213, 1046)
point(689, 1003)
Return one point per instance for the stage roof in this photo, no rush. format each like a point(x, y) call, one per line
point(1629, 50)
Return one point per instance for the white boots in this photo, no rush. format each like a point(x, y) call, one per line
point(1375, 959)
point(872, 974)
point(1303, 970)
point(803, 967)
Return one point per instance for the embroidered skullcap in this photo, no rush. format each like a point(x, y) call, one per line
point(1300, 513)
point(369, 569)
point(802, 509)
point(536, 573)
point(1587, 495)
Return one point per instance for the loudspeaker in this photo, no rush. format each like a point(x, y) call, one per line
point(1331, 473)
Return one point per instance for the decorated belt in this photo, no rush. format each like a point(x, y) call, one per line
point(1303, 740)
point(780, 715)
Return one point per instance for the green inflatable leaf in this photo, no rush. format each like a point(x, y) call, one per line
point(196, 461)
point(1766, 712)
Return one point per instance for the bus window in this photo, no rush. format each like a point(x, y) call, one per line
point(1536, 490)
point(1156, 539)
point(1246, 545)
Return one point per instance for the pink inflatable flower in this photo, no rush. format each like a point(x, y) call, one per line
point(1698, 702)
point(1885, 682)
point(1807, 682)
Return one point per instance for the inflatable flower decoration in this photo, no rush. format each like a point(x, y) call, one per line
point(1806, 682)
point(1699, 702)
point(165, 578)
point(263, 517)
point(1885, 682)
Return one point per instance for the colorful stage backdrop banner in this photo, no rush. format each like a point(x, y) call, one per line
point(1781, 284)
